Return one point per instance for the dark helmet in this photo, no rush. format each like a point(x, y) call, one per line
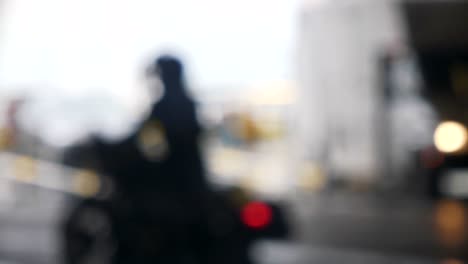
point(168, 68)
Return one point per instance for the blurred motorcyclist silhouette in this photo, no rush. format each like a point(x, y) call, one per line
point(162, 155)
point(162, 209)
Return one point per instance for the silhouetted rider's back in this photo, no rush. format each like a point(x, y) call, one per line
point(175, 116)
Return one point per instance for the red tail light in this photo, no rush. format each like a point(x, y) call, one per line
point(256, 215)
point(431, 158)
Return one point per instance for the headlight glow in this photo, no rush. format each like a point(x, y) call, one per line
point(450, 137)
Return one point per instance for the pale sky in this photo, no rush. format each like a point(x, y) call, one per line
point(76, 50)
point(84, 46)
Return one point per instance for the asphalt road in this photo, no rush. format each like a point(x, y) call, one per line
point(382, 226)
point(328, 228)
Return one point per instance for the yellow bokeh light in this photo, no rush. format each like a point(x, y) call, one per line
point(450, 137)
point(25, 169)
point(450, 222)
point(311, 177)
point(5, 138)
point(451, 261)
point(278, 92)
point(87, 183)
point(152, 141)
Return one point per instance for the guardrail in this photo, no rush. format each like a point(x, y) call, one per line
point(49, 175)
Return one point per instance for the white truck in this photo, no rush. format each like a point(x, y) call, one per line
point(341, 103)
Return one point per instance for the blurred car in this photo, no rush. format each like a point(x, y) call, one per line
point(439, 38)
